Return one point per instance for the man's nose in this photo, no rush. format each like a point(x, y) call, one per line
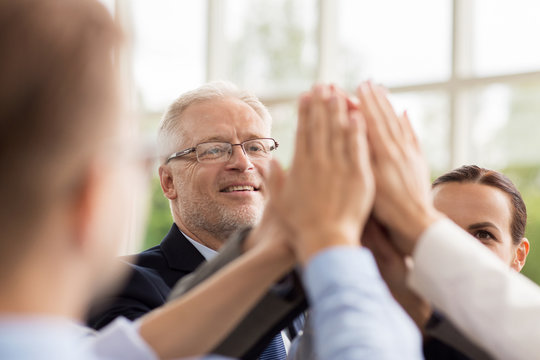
point(239, 159)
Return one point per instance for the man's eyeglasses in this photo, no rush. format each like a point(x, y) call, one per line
point(218, 151)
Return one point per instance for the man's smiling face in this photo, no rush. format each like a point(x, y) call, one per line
point(219, 197)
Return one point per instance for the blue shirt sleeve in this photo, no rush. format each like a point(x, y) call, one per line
point(354, 314)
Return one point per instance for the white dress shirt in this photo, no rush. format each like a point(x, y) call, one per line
point(44, 337)
point(41, 337)
point(494, 306)
point(205, 251)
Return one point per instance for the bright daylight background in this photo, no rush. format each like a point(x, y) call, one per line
point(468, 71)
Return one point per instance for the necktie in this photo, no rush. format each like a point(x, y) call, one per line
point(275, 350)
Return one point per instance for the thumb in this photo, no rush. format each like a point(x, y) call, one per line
point(276, 179)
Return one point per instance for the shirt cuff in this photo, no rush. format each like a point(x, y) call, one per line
point(443, 250)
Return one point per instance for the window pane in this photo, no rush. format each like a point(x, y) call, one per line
point(506, 35)
point(394, 41)
point(429, 115)
point(169, 49)
point(505, 124)
point(284, 117)
point(271, 45)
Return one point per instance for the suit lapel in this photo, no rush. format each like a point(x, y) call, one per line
point(179, 252)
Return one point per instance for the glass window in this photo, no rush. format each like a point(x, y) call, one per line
point(169, 48)
point(504, 125)
point(429, 115)
point(271, 46)
point(284, 116)
point(393, 41)
point(506, 35)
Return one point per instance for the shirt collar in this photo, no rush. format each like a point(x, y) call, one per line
point(205, 251)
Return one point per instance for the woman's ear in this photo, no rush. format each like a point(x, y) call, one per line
point(520, 254)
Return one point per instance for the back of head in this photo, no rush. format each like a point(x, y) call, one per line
point(170, 127)
point(475, 174)
point(57, 97)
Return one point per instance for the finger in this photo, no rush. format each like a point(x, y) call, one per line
point(319, 119)
point(409, 131)
point(353, 103)
point(356, 139)
point(380, 96)
point(376, 130)
point(302, 139)
point(338, 125)
point(365, 159)
point(275, 179)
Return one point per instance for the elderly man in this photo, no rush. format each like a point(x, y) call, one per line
point(215, 145)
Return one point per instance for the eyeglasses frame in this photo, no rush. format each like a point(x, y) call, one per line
point(193, 149)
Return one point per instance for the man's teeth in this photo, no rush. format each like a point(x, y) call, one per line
point(239, 188)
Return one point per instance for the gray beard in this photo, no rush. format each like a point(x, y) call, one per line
point(218, 221)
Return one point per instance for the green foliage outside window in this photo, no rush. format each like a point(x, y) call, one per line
point(527, 180)
point(159, 216)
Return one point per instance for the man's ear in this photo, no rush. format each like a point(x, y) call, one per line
point(167, 183)
point(520, 254)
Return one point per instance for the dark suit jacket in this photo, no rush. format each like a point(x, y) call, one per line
point(281, 307)
point(153, 273)
point(443, 341)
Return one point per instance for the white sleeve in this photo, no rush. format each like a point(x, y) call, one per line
point(119, 340)
point(494, 306)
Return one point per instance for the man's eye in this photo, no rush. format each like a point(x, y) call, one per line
point(214, 151)
point(255, 148)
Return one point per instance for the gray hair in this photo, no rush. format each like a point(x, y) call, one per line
point(170, 125)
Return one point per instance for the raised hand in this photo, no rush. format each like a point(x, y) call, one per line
point(403, 200)
point(328, 192)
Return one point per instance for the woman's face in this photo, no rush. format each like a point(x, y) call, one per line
point(486, 213)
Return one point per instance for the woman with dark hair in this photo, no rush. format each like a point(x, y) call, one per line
point(487, 205)
point(493, 305)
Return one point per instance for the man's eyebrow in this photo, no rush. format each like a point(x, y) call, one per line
point(212, 138)
point(219, 138)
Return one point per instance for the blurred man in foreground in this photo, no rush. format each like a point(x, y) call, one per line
point(69, 172)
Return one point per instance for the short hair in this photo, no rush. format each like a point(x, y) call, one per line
point(170, 123)
point(475, 174)
point(57, 95)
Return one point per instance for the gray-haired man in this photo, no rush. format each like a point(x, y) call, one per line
point(216, 146)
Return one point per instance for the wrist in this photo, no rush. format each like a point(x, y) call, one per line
point(309, 244)
point(414, 225)
point(273, 260)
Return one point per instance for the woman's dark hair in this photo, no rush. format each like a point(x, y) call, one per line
point(475, 174)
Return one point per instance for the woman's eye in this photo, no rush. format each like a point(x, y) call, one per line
point(483, 235)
